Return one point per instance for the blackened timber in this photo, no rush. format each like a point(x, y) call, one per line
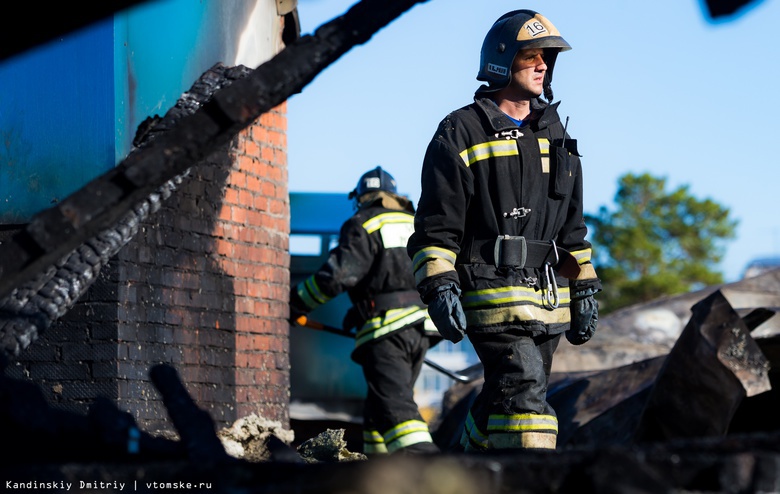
point(195, 426)
point(713, 366)
point(56, 231)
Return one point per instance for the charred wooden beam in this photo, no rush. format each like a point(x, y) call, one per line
point(195, 426)
point(58, 230)
point(36, 303)
point(723, 8)
point(713, 366)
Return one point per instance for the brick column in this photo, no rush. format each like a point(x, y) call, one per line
point(203, 287)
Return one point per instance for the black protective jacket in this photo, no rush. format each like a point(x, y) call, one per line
point(370, 263)
point(482, 177)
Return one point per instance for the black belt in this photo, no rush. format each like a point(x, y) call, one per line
point(519, 252)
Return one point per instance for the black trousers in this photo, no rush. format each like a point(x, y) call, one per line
point(517, 369)
point(391, 367)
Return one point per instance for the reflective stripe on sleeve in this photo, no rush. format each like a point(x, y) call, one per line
point(582, 256)
point(432, 261)
point(311, 294)
point(432, 253)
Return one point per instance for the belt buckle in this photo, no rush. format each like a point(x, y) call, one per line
point(510, 250)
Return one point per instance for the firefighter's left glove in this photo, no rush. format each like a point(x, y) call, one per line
point(584, 316)
point(297, 306)
point(447, 313)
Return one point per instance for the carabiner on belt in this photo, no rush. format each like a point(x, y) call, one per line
point(551, 299)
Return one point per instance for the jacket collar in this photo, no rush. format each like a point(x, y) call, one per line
point(386, 200)
point(499, 121)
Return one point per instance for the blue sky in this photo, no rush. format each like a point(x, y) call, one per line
point(649, 87)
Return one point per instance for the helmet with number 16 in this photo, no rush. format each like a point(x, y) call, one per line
point(512, 32)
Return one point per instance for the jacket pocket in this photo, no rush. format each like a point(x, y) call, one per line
point(563, 158)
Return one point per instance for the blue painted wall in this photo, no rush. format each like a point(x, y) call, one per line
point(69, 109)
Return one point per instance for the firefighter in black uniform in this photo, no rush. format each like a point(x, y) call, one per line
point(392, 338)
point(499, 250)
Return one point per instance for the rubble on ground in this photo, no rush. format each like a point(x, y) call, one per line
point(328, 446)
point(248, 437)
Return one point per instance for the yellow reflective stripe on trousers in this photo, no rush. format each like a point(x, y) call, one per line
point(311, 294)
point(392, 320)
point(472, 436)
point(373, 442)
point(522, 423)
point(380, 220)
point(486, 150)
point(406, 434)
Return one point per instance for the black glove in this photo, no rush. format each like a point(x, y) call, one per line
point(297, 307)
point(447, 313)
point(584, 316)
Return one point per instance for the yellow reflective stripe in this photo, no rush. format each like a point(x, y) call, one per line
point(374, 449)
point(544, 150)
point(487, 150)
point(379, 220)
point(509, 295)
point(517, 314)
point(373, 436)
point(408, 440)
point(472, 435)
point(431, 254)
point(582, 256)
point(522, 422)
point(406, 434)
point(405, 428)
point(544, 146)
point(392, 320)
point(311, 294)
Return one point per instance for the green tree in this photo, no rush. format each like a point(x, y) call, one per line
point(656, 243)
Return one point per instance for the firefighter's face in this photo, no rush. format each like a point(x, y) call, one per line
point(528, 71)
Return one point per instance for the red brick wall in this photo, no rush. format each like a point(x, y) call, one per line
point(252, 240)
point(202, 287)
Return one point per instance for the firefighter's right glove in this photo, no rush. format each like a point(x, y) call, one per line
point(584, 316)
point(447, 313)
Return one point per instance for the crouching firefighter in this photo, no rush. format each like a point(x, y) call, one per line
point(499, 249)
point(370, 263)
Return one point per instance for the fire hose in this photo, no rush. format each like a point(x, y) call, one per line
point(308, 323)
